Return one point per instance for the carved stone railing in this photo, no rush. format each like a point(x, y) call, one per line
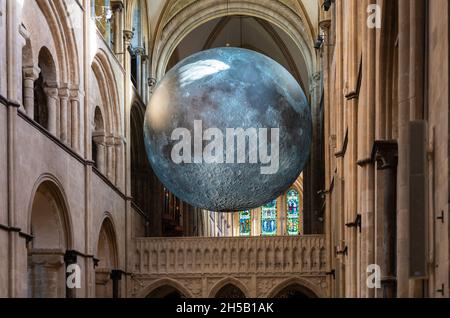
point(299, 255)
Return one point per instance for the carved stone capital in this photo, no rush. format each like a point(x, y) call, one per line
point(51, 91)
point(385, 154)
point(117, 5)
point(64, 92)
point(128, 36)
point(31, 72)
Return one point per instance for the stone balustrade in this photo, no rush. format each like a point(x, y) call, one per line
point(290, 255)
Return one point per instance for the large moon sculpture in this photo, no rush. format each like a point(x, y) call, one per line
point(212, 124)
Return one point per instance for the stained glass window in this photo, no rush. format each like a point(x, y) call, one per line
point(269, 218)
point(245, 223)
point(292, 213)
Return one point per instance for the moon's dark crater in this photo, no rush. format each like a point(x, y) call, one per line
point(228, 88)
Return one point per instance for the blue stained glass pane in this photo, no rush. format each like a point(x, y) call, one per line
point(293, 212)
point(244, 223)
point(269, 218)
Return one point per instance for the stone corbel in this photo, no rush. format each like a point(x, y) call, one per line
point(140, 51)
point(128, 36)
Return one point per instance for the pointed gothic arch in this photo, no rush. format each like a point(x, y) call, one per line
point(229, 286)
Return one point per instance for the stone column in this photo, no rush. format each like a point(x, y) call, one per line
point(110, 145)
point(118, 146)
point(117, 7)
point(63, 101)
point(144, 81)
point(30, 74)
point(139, 57)
point(410, 106)
point(75, 120)
point(52, 101)
point(385, 155)
point(99, 140)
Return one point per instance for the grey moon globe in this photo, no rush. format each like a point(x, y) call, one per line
point(203, 105)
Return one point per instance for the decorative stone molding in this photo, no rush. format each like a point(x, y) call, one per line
point(204, 265)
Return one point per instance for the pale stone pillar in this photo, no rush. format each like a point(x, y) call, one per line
point(385, 155)
point(99, 140)
point(118, 143)
point(117, 7)
point(63, 101)
point(110, 160)
point(30, 74)
point(139, 54)
point(52, 101)
point(143, 86)
point(75, 120)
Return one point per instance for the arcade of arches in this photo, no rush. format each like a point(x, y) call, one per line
point(77, 191)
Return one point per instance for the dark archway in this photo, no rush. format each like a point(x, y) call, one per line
point(295, 291)
point(230, 291)
point(43, 87)
point(167, 292)
point(106, 260)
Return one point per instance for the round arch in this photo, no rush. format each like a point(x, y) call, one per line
point(306, 287)
point(107, 225)
point(170, 34)
point(49, 225)
point(228, 281)
point(57, 190)
point(58, 19)
point(164, 282)
point(109, 92)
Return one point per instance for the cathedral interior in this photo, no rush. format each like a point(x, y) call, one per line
point(76, 187)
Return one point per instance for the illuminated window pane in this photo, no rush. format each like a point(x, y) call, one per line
point(244, 223)
point(292, 212)
point(269, 218)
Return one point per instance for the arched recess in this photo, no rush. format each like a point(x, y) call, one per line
point(51, 232)
point(46, 91)
point(98, 140)
point(62, 30)
point(107, 259)
point(295, 288)
point(111, 114)
point(229, 287)
point(172, 30)
point(163, 288)
point(48, 23)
